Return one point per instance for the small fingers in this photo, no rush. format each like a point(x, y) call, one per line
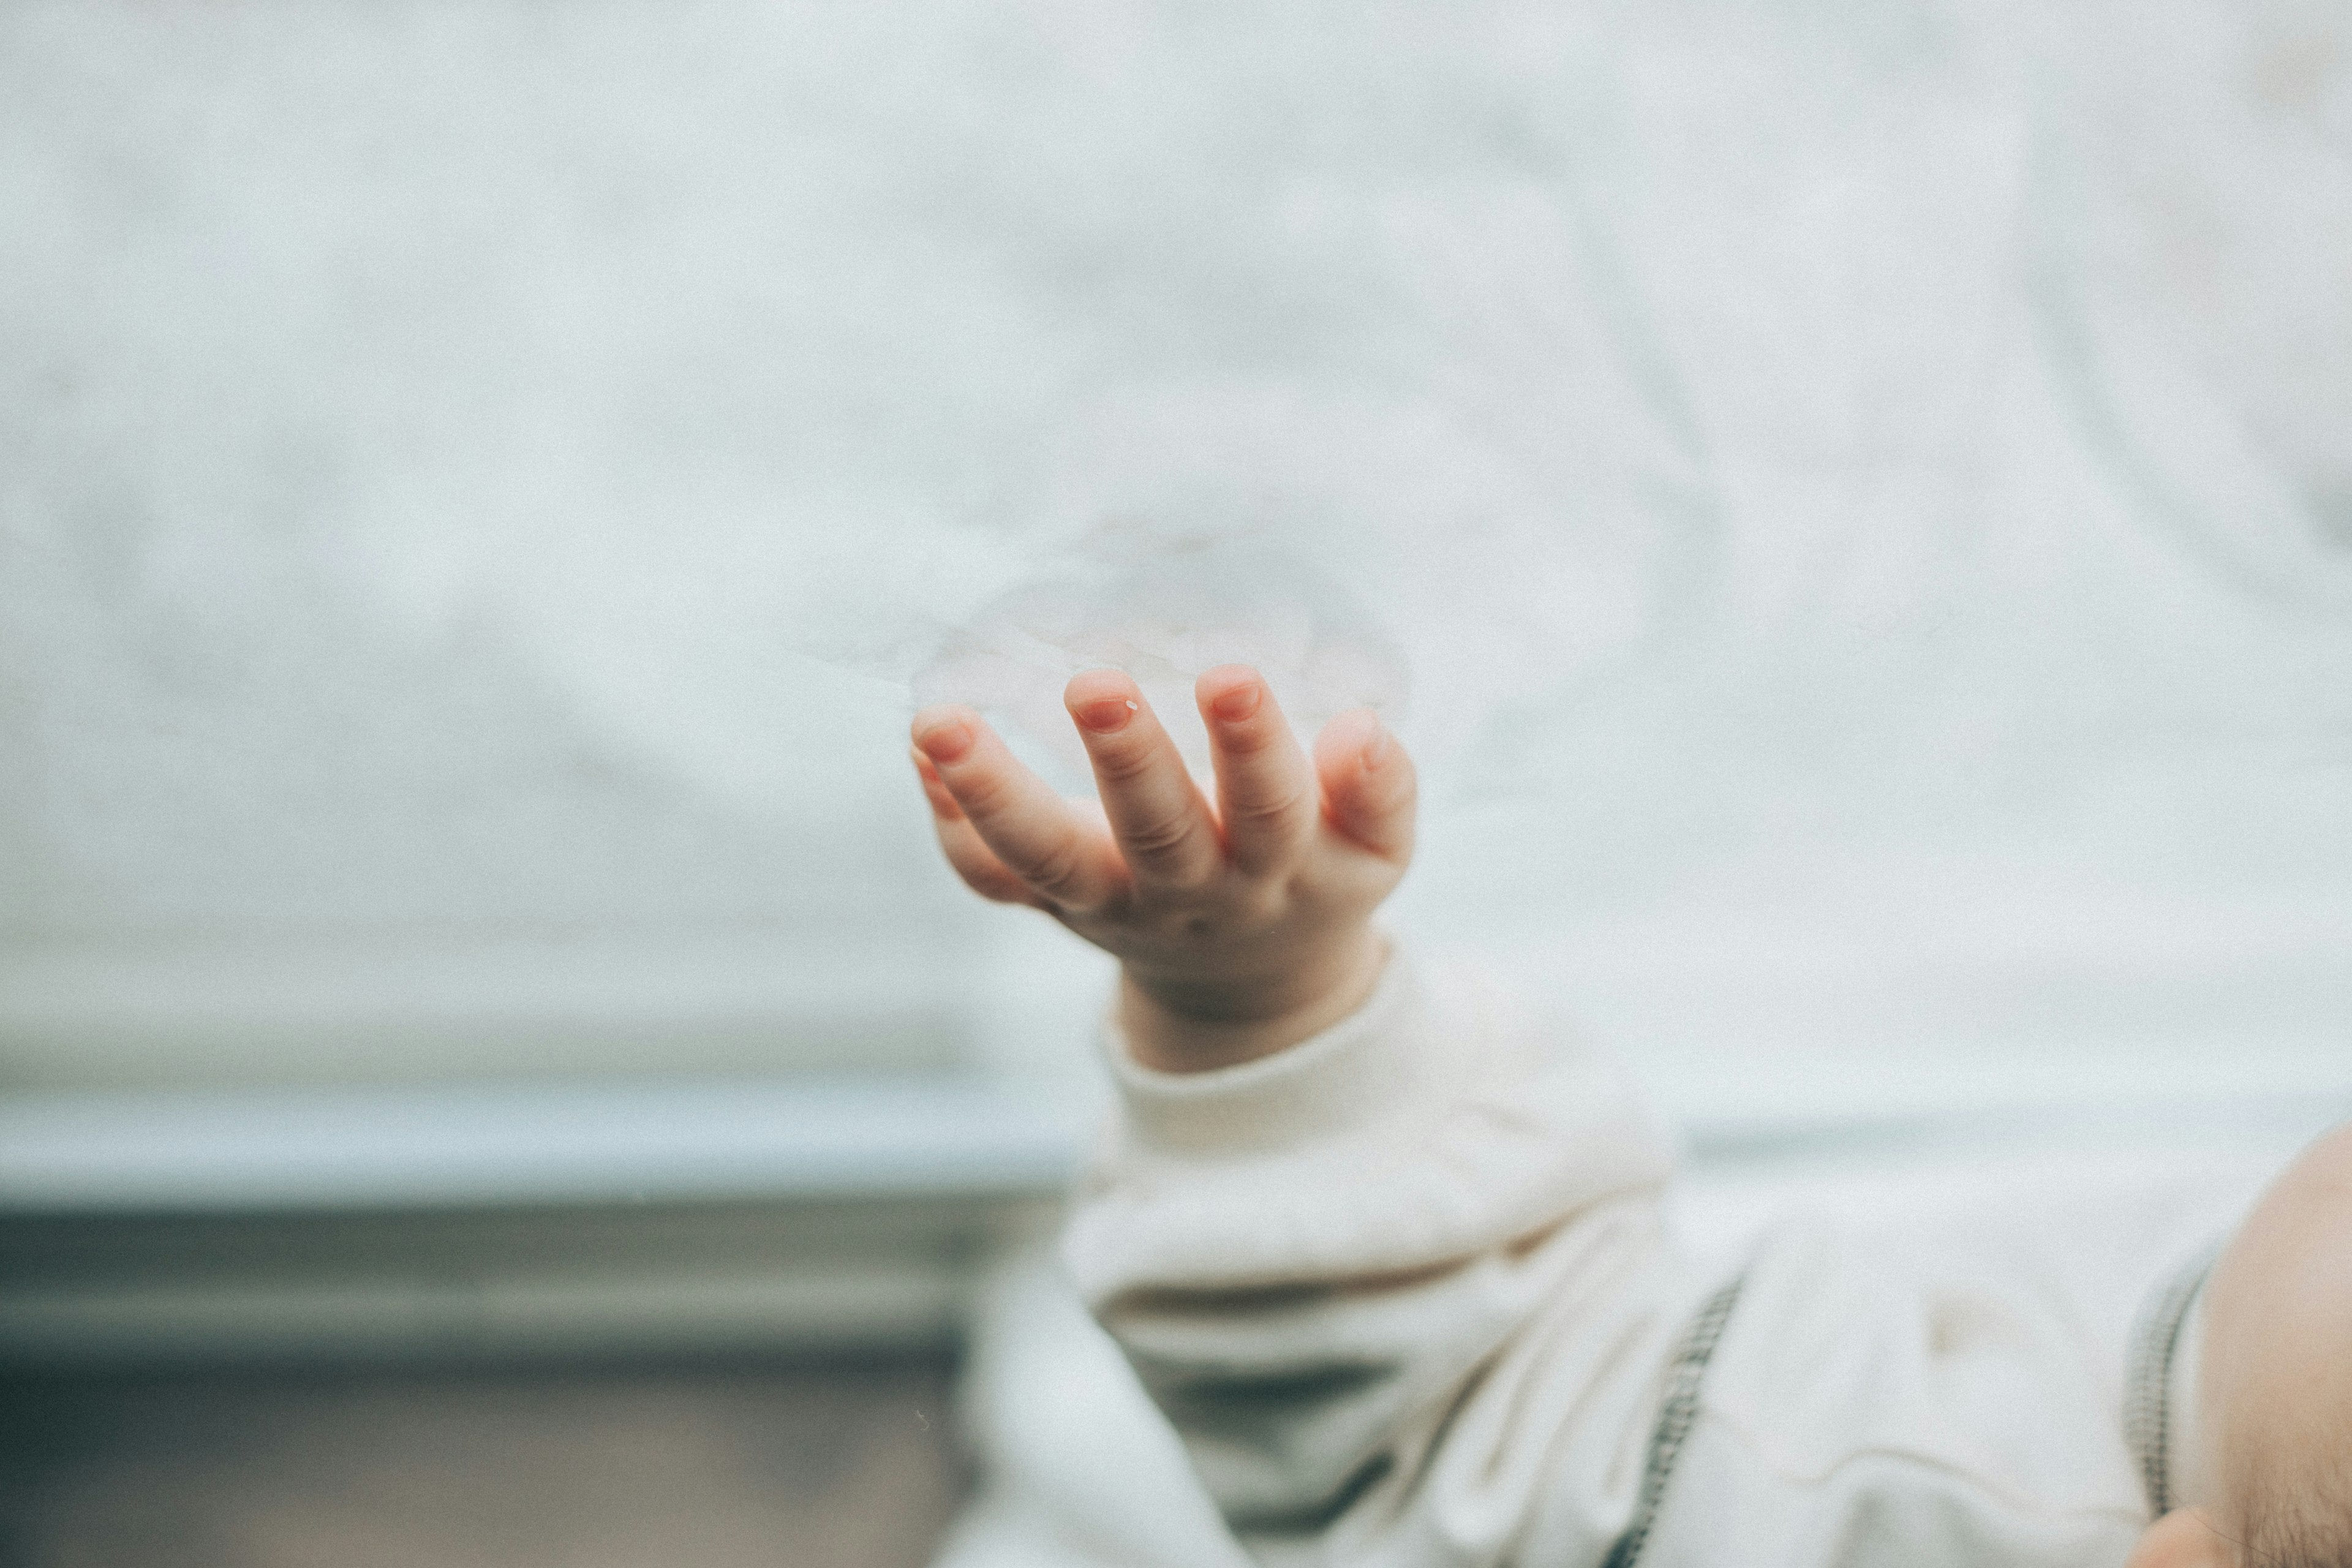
point(1157, 816)
point(972, 859)
point(1367, 783)
point(1027, 828)
point(1265, 789)
point(981, 871)
point(935, 789)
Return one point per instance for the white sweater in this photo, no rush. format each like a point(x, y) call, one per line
point(1408, 1293)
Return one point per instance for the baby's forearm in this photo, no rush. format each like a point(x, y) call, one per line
point(1355, 1265)
point(1355, 1275)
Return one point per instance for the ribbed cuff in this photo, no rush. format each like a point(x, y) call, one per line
point(1357, 1071)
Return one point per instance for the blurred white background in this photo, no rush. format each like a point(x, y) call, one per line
point(1859, 492)
point(1864, 493)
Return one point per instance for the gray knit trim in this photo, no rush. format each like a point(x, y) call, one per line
point(2148, 1425)
point(1676, 1414)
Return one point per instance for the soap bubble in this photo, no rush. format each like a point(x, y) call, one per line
point(1164, 608)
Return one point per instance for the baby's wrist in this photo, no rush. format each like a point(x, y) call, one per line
point(1183, 1026)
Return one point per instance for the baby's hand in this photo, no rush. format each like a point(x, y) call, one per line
point(1240, 930)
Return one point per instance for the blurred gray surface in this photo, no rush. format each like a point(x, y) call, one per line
point(720, 1465)
point(256, 1286)
point(450, 1148)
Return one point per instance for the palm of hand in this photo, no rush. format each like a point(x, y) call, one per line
point(1240, 927)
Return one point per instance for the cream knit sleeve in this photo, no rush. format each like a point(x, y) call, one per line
point(1401, 1289)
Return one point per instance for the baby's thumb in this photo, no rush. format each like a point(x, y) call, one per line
point(1368, 783)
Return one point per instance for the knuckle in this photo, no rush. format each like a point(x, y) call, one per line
point(1273, 808)
point(1250, 740)
point(985, 796)
point(1057, 873)
point(1161, 837)
point(1120, 763)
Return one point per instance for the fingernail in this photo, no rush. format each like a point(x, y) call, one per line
point(1106, 714)
point(949, 741)
point(1377, 749)
point(1239, 704)
point(935, 790)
